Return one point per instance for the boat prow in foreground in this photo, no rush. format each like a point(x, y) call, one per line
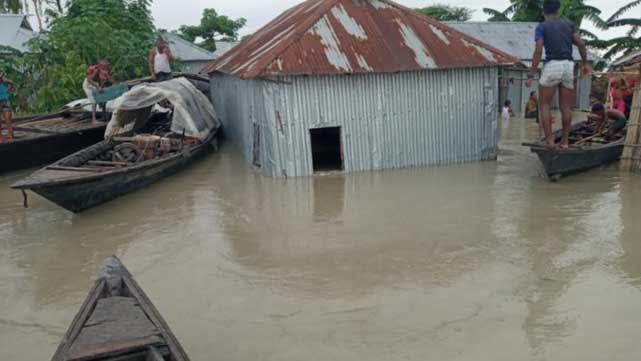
point(117, 321)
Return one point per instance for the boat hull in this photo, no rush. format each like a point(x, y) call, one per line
point(563, 163)
point(78, 196)
point(118, 321)
point(33, 152)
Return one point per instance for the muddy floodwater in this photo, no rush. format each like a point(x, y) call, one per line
point(483, 261)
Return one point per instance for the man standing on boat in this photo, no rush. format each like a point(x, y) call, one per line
point(557, 36)
point(5, 107)
point(160, 58)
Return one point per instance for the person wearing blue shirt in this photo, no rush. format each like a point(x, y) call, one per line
point(557, 36)
point(5, 107)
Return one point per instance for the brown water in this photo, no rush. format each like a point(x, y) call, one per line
point(476, 262)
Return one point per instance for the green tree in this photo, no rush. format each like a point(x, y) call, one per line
point(51, 74)
point(442, 12)
point(632, 40)
point(10, 6)
point(576, 11)
point(212, 27)
point(519, 10)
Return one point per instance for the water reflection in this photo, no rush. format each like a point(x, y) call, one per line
point(375, 265)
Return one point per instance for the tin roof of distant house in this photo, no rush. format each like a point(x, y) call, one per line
point(514, 38)
point(15, 31)
point(629, 59)
point(354, 36)
point(223, 47)
point(185, 50)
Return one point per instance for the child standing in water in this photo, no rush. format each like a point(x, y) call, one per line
point(506, 114)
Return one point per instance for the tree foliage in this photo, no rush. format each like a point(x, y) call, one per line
point(631, 41)
point(444, 12)
point(532, 10)
point(212, 27)
point(51, 74)
point(11, 6)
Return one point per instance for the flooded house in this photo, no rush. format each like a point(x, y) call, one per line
point(517, 39)
point(356, 85)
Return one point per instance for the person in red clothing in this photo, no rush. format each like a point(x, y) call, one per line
point(97, 76)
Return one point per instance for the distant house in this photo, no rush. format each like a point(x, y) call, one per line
point(344, 85)
point(224, 46)
point(192, 57)
point(15, 31)
point(628, 61)
point(517, 39)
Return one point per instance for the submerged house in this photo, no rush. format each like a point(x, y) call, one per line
point(517, 39)
point(357, 85)
point(15, 32)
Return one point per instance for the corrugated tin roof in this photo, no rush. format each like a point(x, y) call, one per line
point(185, 50)
point(630, 59)
point(514, 38)
point(224, 46)
point(354, 36)
point(15, 31)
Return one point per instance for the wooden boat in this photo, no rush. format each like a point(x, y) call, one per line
point(46, 138)
point(78, 182)
point(125, 163)
point(118, 322)
point(585, 152)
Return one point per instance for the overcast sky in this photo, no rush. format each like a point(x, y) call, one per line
point(169, 14)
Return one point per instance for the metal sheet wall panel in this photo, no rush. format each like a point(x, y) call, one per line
point(409, 119)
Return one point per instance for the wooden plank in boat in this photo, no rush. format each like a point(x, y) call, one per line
point(75, 169)
point(117, 326)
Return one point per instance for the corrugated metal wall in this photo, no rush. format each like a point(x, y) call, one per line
point(397, 120)
point(516, 91)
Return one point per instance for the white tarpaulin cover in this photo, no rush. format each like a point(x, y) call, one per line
point(193, 112)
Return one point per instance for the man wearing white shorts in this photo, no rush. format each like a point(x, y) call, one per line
point(557, 36)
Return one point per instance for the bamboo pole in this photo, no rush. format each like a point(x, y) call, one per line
point(630, 151)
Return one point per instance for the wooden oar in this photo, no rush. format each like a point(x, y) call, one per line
point(584, 140)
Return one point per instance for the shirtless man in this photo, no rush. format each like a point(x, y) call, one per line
point(612, 118)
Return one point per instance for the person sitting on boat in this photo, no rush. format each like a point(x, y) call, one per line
point(160, 58)
point(97, 76)
point(557, 36)
point(5, 107)
point(613, 118)
point(532, 108)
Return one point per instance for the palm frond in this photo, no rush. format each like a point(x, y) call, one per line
point(495, 15)
point(623, 10)
point(597, 21)
point(625, 22)
point(588, 35)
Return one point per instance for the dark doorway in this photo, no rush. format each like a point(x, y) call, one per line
point(326, 149)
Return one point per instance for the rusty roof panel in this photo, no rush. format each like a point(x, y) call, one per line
point(354, 36)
